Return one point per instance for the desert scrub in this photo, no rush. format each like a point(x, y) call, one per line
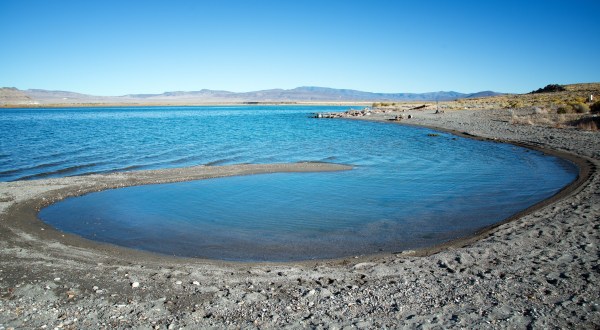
point(381, 104)
point(587, 123)
point(513, 104)
point(595, 108)
point(580, 107)
point(564, 108)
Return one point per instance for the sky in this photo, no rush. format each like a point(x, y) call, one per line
point(143, 46)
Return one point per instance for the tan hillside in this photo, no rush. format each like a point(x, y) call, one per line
point(575, 93)
point(11, 95)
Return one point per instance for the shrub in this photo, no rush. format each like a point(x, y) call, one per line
point(381, 104)
point(562, 109)
point(580, 107)
point(589, 124)
point(515, 104)
point(595, 108)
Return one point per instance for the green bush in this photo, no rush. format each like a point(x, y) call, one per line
point(595, 108)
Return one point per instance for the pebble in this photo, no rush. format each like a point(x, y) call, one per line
point(363, 265)
point(196, 283)
point(135, 284)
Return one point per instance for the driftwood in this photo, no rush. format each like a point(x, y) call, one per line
point(419, 107)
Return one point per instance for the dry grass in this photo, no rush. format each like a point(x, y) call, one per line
point(544, 119)
point(587, 123)
point(559, 109)
point(556, 109)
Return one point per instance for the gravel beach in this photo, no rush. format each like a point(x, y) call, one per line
point(537, 270)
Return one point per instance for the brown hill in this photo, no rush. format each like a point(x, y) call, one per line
point(11, 95)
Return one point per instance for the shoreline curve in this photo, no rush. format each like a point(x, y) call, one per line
point(21, 217)
point(535, 269)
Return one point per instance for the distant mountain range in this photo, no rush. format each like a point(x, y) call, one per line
point(13, 96)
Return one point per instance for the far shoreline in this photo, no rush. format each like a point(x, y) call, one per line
point(186, 105)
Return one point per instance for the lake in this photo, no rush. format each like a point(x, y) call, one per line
point(409, 188)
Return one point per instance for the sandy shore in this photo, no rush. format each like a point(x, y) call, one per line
point(540, 270)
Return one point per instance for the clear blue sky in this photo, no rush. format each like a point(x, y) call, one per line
point(118, 47)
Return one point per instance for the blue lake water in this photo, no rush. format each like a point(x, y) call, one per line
point(407, 190)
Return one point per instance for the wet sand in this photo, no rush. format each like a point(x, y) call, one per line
point(538, 269)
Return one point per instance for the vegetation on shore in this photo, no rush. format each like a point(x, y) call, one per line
point(553, 105)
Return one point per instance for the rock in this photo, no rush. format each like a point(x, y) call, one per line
point(135, 284)
point(325, 293)
point(364, 265)
point(254, 297)
point(363, 325)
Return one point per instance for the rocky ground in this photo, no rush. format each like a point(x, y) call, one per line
point(540, 270)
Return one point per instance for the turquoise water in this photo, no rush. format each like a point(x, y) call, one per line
point(407, 189)
point(41, 143)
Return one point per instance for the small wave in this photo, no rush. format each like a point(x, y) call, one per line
point(62, 153)
point(222, 161)
point(128, 168)
point(60, 172)
point(30, 168)
point(161, 155)
point(187, 159)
